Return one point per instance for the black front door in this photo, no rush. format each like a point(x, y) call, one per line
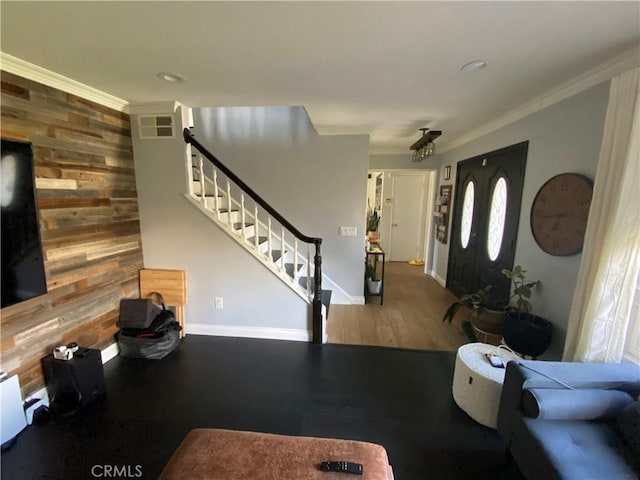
point(486, 212)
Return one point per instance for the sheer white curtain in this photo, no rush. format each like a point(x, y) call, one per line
point(601, 308)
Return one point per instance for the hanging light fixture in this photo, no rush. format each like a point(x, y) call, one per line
point(424, 147)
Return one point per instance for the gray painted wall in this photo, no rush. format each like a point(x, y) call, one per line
point(318, 183)
point(400, 161)
point(564, 137)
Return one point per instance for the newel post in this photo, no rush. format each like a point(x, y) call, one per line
point(317, 294)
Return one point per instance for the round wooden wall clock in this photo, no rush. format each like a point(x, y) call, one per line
point(559, 214)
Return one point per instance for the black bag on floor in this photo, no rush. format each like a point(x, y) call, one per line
point(150, 348)
point(137, 312)
point(159, 337)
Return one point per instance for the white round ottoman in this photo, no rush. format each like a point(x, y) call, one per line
point(477, 384)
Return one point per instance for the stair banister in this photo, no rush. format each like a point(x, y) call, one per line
point(317, 242)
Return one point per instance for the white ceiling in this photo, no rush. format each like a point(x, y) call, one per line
point(381, 68)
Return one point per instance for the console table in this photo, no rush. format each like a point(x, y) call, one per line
point(374, 255)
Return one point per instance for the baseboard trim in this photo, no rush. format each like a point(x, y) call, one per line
point(268, 333)
point(110, 352)
point(438, 278)
point(358, 300)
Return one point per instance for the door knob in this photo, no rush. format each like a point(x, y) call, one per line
point(394, 225)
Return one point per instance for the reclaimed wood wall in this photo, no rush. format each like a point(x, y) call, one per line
point(88, 211)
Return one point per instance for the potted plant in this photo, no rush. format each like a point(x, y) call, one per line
point(374, 286)
point(373, 222)
point(487, 312)
point(523, 331)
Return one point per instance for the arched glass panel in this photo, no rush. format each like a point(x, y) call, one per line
point(467, 214)
point(497, 216)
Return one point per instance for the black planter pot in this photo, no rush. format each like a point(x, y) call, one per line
point(527, 333)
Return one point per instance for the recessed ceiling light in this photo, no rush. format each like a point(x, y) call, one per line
point(171, 77)
point(474, 65)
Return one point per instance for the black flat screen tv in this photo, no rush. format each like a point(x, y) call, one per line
point(23, 274)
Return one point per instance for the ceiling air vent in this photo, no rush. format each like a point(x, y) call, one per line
point(156, 126)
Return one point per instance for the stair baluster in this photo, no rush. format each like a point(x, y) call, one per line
point(295, 260)
point(282, 267)
point(216, 198)
point(256, 236)
point(243, 218)
point(269, 246)
point(229, 204)
point(203, 196)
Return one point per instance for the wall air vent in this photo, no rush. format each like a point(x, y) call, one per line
point(156, 126)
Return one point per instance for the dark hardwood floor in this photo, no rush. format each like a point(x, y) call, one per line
point(398, 398)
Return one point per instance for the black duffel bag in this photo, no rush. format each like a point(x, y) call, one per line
point(151, 348)
point(156, 341)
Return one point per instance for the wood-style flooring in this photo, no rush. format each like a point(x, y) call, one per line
point(411, 316)
point(398, 398)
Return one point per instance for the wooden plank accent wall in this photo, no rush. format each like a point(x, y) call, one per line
point(88, 211)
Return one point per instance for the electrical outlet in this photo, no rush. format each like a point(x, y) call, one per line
point(219, 303)
point(348, 231)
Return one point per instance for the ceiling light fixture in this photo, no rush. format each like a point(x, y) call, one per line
point(171, 77)
point(424, 147)
point(474, 65)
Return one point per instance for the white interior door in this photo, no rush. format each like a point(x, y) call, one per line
point(407, 217)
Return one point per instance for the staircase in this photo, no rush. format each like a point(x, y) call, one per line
point(258, 228)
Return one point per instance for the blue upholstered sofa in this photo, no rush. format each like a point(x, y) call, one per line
point(563, 420)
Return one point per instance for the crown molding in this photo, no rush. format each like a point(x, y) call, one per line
point(153, 108)
point(603, 72)
point(15, 65)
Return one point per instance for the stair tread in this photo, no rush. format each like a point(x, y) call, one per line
point(289, 268)
point(261, 239)
point(276, 255)
point(238, 225)
point(226, 210)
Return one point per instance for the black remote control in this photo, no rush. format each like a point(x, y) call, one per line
point(342, 467)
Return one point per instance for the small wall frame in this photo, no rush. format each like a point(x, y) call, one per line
point(441, 213)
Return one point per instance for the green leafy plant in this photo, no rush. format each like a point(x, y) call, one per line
point(479, 302)
point(373, 220)
point(371, 272)
point(521, 289)
point(483, 299)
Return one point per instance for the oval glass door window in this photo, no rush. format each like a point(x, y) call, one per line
point(467, 214)
point(497, 216)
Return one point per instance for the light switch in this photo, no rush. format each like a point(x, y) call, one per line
point(348, 231)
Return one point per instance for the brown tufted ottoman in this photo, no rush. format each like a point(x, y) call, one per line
point(211, 454)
